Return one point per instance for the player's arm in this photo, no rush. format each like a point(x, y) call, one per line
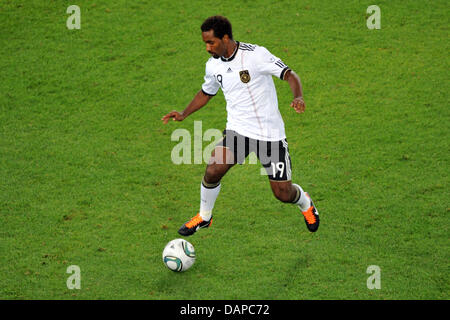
point(200, 100)
point(296, 86)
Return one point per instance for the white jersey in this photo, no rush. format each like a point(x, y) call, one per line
point(246, 81)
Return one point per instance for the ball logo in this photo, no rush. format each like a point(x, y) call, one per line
point(173, 263)
point(188, 251)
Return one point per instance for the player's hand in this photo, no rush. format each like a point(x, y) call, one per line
point(174, 115)
point(298, 104)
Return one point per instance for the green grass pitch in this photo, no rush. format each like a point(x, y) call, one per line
point(86, 176)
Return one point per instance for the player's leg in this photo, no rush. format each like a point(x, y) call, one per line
point(221, 161)
point(232, 149)
point(278, 169)
point(289, 192)
point(283, 190)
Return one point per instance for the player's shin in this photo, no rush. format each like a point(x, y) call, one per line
point(208, 196)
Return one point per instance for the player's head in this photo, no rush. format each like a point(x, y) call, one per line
point(217, 34)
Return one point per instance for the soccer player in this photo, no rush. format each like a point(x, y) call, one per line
point(254, 124)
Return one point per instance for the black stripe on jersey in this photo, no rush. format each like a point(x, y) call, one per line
point(284, 72)
point(247, 47)
point(208, 94)
point(241, 44)
point(280, 64)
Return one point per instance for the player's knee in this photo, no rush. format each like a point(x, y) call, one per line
point(213, 174)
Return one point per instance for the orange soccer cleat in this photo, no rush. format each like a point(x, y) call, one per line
point(190, 227)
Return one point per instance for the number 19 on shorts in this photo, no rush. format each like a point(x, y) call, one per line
point(277, 168)
point(276, 171)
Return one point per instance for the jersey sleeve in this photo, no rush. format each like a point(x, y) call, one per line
point(210, 85)
point(270, 64)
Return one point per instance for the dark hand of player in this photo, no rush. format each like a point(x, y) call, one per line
point(299, 105)
point(174, 115)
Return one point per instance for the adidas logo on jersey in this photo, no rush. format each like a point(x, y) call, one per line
point(229, 70)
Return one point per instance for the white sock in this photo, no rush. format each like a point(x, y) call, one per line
point(303, 202)
point(208, 196)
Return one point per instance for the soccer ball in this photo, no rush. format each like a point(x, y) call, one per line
point(179, 255)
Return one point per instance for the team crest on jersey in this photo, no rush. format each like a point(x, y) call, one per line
point(245, 76)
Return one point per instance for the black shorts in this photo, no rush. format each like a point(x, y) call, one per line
point(273, 155)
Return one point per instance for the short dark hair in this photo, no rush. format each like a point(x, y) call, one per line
point(219, 24)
